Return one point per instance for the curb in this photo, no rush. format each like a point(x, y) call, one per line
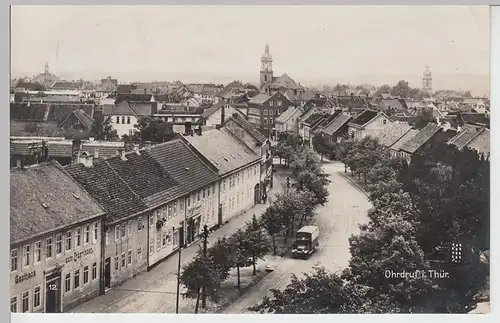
point(362, 190)
point(242, 292)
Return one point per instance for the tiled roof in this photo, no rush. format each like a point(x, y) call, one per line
point(327, 119)
point(63, 148)
point(39, 129)
point(259, 98)
point(25, 111)
point(47, 183)
point(107, 109)
point(248, 127)
point(481, 142)
point(223, 149)
point(123, 109)
point(288, 113)
point(364, 117)
point(392, 132)
point(108, 189)
point(404, 139)
point(141, 109)
point(466, 134)
point(284, 81)
point(313, 118)
point(338, 122)
point(146, 178)
point(132, 97)
point(323, 120)
point(84, 118)
point(471, 101)
point(59, 112)
point(67, 85)
point(209, 111)
point(394, 104)
point(423, 136)
point(184, 165)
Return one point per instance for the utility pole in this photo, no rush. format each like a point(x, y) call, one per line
point(178, 278)
point(287, 185)
point(205, 242)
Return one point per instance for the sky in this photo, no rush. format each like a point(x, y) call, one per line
point(312, 44)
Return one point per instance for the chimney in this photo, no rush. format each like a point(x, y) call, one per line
point(199, 131)
point(75, 150)
point(154, 108)
point(136, 149)
point(87, 160)
point(96, 153)
point(223, 114)
point(121, 152)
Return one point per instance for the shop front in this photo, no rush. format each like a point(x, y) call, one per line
point(193, 218)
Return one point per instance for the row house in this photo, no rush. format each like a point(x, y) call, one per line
point(125, 115)
point(204, 92)
point(55, 241)
point(395, 148)
point(368, 123)
point(430, 135)
point(472, 137)
point(199, 180)
point(181, 116)
point(238, 166)
point(259, 143)
point(392, 133)
point(288, 121)
point(264, 109)
point(216, 114)
point(336, 130)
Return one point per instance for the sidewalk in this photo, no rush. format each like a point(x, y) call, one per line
point(146, 289)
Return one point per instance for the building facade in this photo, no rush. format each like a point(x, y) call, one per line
point(263, 110)
point(56, 241)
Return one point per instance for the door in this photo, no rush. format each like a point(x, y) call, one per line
point(107, 273)
point(220, 214)
point(256, 194)
point(53, 296)
point(181, 235)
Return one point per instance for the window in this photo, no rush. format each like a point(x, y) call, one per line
point(280, 103)
point(139, 224)
point(26, 301)
point(384, 121)
point(181, 205)
point(265, 121)
point(13, 260)
point(176, 237)
point(128, 120)
point(213, 189)
point(223, 185)
point(271, 103)
point(265, 111)
point(13, 304)
point(170, 211)
point(129, 257)
point(189, 201)
point(117, 120)
point(67, 283)
point(130, 227)
point(86, 234)
point(163, 239)
point(123, 120)
point(77, 278)
point(117, 232)
point(94, 270)
point(122, 227)
point(68, 241)
point(48, 248)
point(96, 231)
point(151, 220)
point(158, 241)
point(174, 208)
point(85, 275)
point(58, 244)
point(139, 253)
point(151, 247)
point(123, 259)
point(169, 236)
point(26, 255)
point(199, 196)
point(36, 297)
point(204, 192)
point(117, 263)
point(38, 252)
point(108, 237)
point(78, 237)
point(208, 191)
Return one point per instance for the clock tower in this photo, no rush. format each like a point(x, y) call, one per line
point(266, 68)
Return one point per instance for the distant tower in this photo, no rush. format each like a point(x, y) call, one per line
point(427, 81)
point(47, 73)
point(266, 68)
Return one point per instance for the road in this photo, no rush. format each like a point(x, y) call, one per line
point(337, 220)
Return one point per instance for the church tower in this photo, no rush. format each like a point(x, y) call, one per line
point(266, 68)
point(427, 81)
point(47, 69)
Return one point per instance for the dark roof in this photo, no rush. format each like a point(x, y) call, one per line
point(423, 136)
point(108, 188)
point(248, 127)
point(25, 111)
point(335, 124)
point(313, 118)
point(223, 149)
point(142, 109)
point(59, 112)
point(86, 121)
point(35, 129)
point(404, 139)
point(67, 85)
point(132, 97)
point(146, 178)
point(63, 148)
point(209, 111)
point(184, 165)
point(327, 119)
point(466, 134)
point(365, 117)
point(125, 88)
point(320, 121)
point(392, 132)
point(47, 183)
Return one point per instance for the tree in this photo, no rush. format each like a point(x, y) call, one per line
point(103, 130)
point(305, 159)
point(402, 89)
point(364, 155)
point(201, 273)
point(153, 130)
point(288, 143)
point(320, 145)
point(257, 242)
point(242, 252)
point(314, 183)
point(318, 293)
point(222, 255)
point(467, 94)
point(423, 119)
point(383, 89)
point(272, 222)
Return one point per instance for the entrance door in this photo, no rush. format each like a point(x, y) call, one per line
point(257, 194)
point(53, 295)
point(181, 235)
point(107, 273)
